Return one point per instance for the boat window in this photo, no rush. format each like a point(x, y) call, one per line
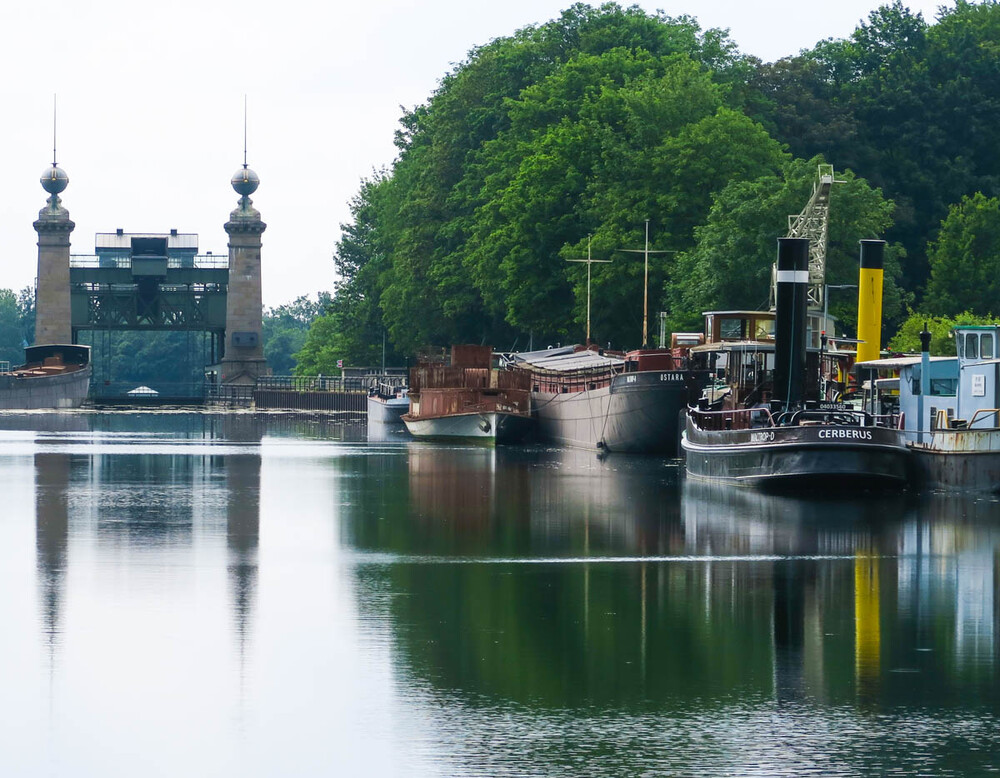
point(986, 346)
point(944, 387)
point(972, 346)
point(764, 329)
point(960, 347)
point(731, 329)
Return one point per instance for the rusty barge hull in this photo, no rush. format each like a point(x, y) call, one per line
point(468, 400)
point(961, 459)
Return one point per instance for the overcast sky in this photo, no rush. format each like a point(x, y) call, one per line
point(150, 122)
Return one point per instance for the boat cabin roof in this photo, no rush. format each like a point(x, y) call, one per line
point(734, 345)
point(746, 314)
point(566, 362)
point(69, 353)
point(897, 363)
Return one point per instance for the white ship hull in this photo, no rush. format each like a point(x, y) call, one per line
point(488, 427)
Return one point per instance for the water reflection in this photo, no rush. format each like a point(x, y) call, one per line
point(242, 474)
point(552, 579)
point(285, 600)
point(51, 540)
point(135, 506)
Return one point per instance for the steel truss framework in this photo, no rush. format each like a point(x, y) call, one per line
point(812, 223)
point(130, 308)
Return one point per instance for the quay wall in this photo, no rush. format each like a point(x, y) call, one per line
point(289, 399)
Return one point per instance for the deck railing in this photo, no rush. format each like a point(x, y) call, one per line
point(753, 418)
point(738, 419)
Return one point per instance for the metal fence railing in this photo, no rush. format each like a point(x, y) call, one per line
point(200, 261)
point(333, 393)
point(321, 383)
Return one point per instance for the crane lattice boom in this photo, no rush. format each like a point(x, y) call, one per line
point(812, 224)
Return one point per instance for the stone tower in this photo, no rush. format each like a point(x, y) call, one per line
point(244, 354)
point(52, 306)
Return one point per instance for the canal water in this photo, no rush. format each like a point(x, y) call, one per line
point(196, 594)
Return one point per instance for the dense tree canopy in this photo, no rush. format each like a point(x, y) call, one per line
point(912, 107)
point(730, 265)
point(577, 131)
point(285, 329)
point(17, 324)
point(907, 339)
point(965, 259)
point(11, 337)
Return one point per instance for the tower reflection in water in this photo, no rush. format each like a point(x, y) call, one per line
point(51, 540)
point(123, 504)
point(242, 488)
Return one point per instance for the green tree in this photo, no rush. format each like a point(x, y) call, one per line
point(913, 107)
point(548, 118)
point(907, 339)
point(730, 264)
point(321, 350)
point(285, 328)
point(26, 313)
point(965, 259)
point(11, 335)
point(600, 146)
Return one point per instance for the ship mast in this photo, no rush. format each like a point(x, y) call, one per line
point(589, 262)
point(645, 283)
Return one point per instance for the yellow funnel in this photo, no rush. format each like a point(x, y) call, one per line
point(870, 300)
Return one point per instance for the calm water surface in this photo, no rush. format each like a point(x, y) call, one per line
point(191, 594)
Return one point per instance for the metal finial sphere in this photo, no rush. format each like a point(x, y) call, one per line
point(54, 180)
point(245, 182)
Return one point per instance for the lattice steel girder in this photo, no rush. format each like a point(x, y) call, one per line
point(812, 223)
point(124, 308)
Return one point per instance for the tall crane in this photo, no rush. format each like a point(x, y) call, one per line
point(812, 224)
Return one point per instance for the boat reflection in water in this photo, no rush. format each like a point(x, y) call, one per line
point(455, 610)
point(598, 606)
point(387, 433)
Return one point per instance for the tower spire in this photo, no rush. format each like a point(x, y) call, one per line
point(243, 359)
point(53, 319)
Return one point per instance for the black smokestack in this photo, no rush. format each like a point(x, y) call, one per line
point(790, 321)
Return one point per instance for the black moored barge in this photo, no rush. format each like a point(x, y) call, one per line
point(772, 425)
point(812, 448)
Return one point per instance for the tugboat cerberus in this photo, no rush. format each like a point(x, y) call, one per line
point(765, 430)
